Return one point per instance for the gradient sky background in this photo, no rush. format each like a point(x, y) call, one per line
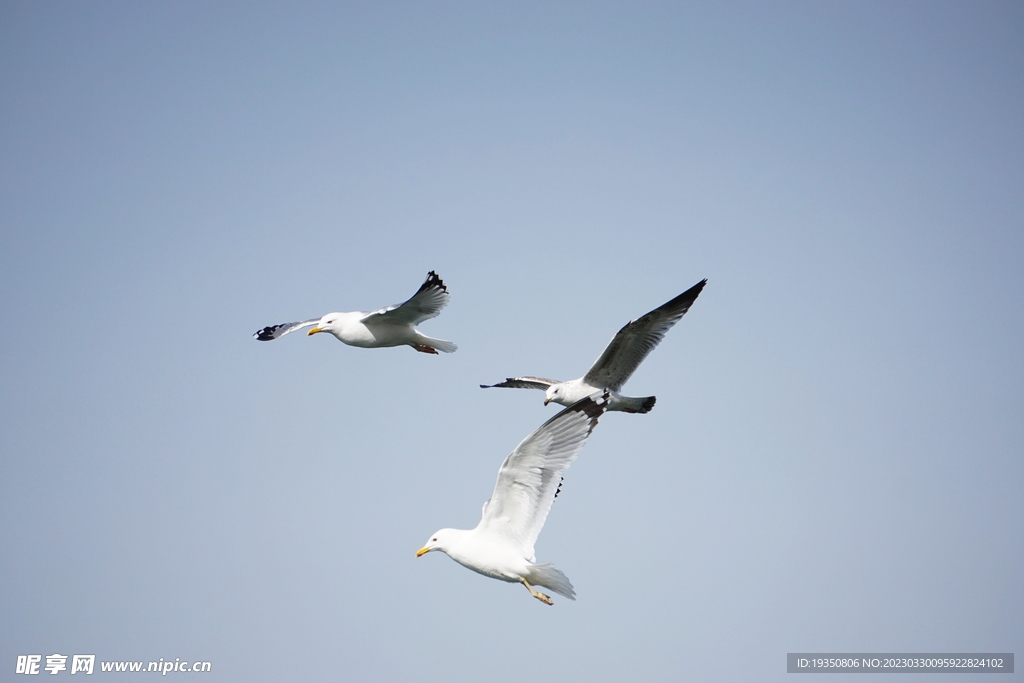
point(835, 460)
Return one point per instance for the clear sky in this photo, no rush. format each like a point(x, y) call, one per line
point(836, 459)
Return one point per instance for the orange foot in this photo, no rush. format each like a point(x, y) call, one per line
point(423, 348)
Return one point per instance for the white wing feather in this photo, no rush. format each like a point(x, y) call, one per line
point(528, 479)
point(426, 303)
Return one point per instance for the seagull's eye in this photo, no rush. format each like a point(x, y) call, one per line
point(433, 540)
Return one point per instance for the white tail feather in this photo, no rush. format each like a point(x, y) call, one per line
point(546, 575)
point(439, 344)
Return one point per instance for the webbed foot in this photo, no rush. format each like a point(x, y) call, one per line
point(546, 599)
point(423, 348)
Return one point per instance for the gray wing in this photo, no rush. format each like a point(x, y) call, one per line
point(271, 332)
point(425, 304)
point(522, 383)
point(529, 478)
point(636, 339)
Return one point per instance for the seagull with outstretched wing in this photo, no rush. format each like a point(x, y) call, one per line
point(501, 545)
point(390, 326)
point(620, 359)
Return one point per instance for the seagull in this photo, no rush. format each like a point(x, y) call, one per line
point(390, 326)
point(501, 545)
point(620, 359)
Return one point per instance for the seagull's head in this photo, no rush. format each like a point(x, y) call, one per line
point(553, 393)
point(326, 324)
point(438, 541)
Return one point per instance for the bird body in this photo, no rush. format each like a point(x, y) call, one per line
point(566, 393)
point(370, 331)
point(389, 326)
point(501, 546)
point(480, 551)
point(476, 549)
point(617, 362)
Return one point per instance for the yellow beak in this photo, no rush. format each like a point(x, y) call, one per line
point(315, 330)
point(422, 551)
point(546, 401)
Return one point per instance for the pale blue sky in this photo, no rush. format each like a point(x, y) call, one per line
point(835, 459)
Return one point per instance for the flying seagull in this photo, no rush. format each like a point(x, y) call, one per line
point(390, 326)
point(620, 359)
point(501, 545)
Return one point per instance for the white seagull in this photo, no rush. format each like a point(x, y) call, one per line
point(390, 326)
point(620, 359)
point(501, 545)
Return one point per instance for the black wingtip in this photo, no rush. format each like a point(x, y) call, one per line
point(433, 280)
point(266, 334)
point(504, 384)
point(681, 304)
point(693, 292)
